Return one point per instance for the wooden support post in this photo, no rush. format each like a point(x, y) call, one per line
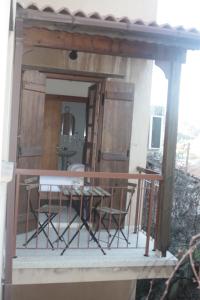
point(12, 157)
point(169, 156)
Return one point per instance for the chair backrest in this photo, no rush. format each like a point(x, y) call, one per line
point(31, 183)
point(131, 190)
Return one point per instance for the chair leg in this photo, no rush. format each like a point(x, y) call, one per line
point(90, 232)
point(67, 246)
point(102, 222)
point(37, 232)
point(118, 229)
point(93, 236)
point(65, 230)
point(41, 228)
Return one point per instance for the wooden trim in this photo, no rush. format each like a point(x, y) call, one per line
point(66, 98)
point(119, 96)
point(16, 91)
point(34, 87)
point(28, 152)
point(114, 156)
point(169, 155)
point(72, 72)
point(42, 37)
point(73, 77)
point(36, 172)
point(178, 39)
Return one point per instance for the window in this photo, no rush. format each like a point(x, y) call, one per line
point(155, 132)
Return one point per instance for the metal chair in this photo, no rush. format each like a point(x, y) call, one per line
point(114, 216)
point(49, 211)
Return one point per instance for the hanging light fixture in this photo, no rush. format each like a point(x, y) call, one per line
point(73, 55)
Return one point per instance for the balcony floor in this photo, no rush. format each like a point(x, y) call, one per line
point(82, 265)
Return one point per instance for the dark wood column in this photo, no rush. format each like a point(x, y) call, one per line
point(12, 157)
point(169, 155)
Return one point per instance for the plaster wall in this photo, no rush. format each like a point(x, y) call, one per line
point(67, 88)
point(6, 59)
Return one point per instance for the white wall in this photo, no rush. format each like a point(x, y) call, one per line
point(140, 72)
point(65, 87)
point(134, 9)
point(6, 58)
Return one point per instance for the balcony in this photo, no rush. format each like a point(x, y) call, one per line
point(87, 226)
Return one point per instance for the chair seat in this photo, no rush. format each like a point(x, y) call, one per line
point(112, 211)
point(46, 209)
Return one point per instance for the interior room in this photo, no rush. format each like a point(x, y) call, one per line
point(64, 123)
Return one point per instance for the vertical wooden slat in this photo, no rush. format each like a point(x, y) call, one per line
point(169, 155)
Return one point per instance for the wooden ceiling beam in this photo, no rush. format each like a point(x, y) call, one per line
point(73, 77)
point(74, 73)
point(64, 98)
point(54, 39)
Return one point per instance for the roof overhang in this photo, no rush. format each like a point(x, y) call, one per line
point(122, 28)
point(165, 40)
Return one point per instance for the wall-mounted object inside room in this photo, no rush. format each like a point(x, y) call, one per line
point(68, 122)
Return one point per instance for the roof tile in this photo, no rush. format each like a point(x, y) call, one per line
point(109, 18)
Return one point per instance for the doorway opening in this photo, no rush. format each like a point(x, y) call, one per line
point(60, 128)
point(64, 123)
point(65, 120)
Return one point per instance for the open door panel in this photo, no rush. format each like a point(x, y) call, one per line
point(114, 149)
point(30, 136)
point(92, 113)
point(31, 126)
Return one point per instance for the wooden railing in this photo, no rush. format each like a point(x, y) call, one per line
point(101, 210)
point(149, 209)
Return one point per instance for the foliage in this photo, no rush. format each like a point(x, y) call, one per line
point(185, 224)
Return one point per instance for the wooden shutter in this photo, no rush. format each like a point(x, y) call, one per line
point(113, 156)
point(30, 136)
point(92, 112)
point(117, 124)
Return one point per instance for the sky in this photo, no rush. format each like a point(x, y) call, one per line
point(187, 14)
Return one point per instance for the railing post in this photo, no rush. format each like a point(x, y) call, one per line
point(149, 218)
point(137, 205)
point(17, 191)
point(157, 217)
